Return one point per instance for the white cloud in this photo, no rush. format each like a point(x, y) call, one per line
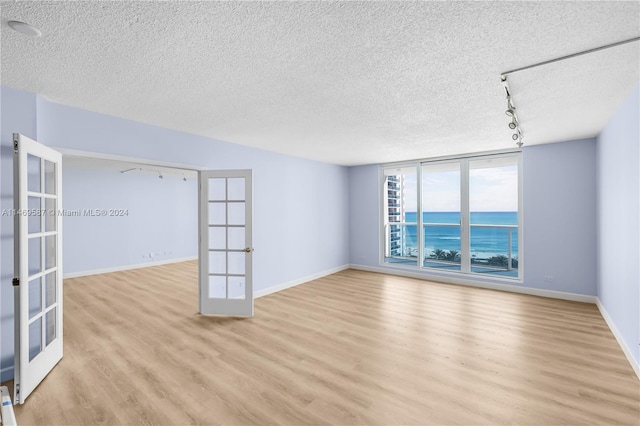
point(494, 189)
point(490, 189)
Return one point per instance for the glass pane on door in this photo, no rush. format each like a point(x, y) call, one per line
point(236, 213)
point(49, 177)
point(35, 297)
point(35, 255)
point(217, 287)
point(217, 189)
point(493, 204)
point(34, 219)
point(50, 330)
point(236, 238)
point(35, 338)
point(217, 214)
point(217, 237)
point(236, 189)
point(50, 251)
point(236, 262)
point(217, 262)
point(50, 214)
point(33, 173)
point(236, 287)
point(441, 216)
point(50, 289)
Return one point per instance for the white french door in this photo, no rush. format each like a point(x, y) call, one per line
point(225, 248)
point(38, 263)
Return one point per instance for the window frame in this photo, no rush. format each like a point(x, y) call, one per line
point(465, 215)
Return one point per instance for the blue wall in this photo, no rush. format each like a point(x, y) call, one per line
point(364, 215)
point(560, 216)
point(299, 227)
point(559, 202)
point(161, 219)
point(619, 221)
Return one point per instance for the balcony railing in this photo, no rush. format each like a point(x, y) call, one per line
point(509, 229)
point(497, 263)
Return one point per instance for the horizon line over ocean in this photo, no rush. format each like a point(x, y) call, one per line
point(485, 242)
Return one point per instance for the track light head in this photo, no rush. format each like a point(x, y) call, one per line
point(515, 136)
point(513, 124)
point(510, 108)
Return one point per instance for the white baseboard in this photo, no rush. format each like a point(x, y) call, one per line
point(618, 336)
point(127, 267)
point(6, 374)
point(284, 286)
point(481, 284)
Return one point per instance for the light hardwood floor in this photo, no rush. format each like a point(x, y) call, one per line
point(351, 348)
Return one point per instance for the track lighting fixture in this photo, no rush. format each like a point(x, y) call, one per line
point(511, 112)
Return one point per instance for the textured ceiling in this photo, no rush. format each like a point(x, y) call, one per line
point(342, 82)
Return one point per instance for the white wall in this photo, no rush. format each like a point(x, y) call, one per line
point(618, 150)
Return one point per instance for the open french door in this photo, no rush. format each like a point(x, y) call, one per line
point(38, 263)
point(225, 248)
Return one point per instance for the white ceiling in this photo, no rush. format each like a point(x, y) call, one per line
point(343, 82)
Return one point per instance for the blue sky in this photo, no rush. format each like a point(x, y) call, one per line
point(493, 189)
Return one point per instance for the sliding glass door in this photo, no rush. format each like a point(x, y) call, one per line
point(441, 210)
point(467, 211)
point(493, 203)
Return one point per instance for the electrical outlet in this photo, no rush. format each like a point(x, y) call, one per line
point(548, 278)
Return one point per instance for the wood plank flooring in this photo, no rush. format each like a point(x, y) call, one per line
point(351, 348)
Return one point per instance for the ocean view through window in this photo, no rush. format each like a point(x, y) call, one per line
point(468, 211)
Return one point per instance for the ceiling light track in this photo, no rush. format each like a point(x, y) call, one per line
point(573, 55)
point(161, 173)
point(514, 124)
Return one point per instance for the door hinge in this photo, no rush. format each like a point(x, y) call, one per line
point(16, 397)
point(15, 282)
point(15, 144)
